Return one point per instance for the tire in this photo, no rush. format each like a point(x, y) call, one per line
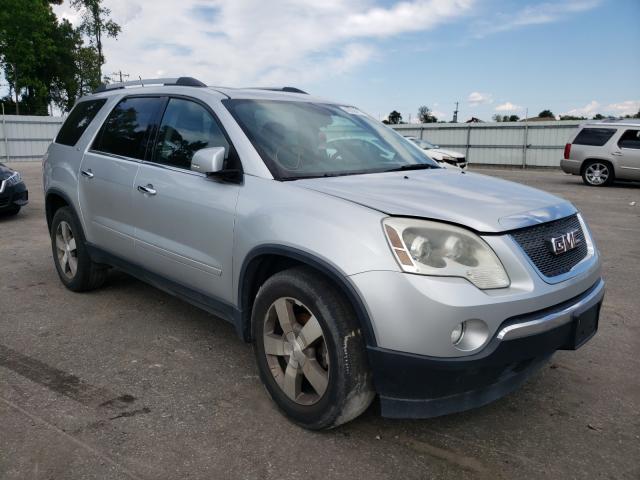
point(597, 173)
point(75, 268)
point(11, 211)
point(339, 350)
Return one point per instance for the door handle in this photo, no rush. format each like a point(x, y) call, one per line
point(617, 154)
point(149, 190)
point(87, 173)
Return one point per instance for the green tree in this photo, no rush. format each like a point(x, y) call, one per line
point(96, 24)
point(395, 118)
point(546, 114)
point(26, 43)
point(571, 117)
point(425, 115)
point(514, 118)
point(598, 116)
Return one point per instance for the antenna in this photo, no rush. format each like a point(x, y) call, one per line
point(455, 114)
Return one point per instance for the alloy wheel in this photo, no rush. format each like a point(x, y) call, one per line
point(597, 173)
point(296, 351)
point(66, 250)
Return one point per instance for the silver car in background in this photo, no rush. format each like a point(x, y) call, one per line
point(355, 265)
point(603, 152)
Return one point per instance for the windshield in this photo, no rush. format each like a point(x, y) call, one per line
point(303, 139)
point(423, 144)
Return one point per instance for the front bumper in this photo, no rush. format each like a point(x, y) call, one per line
point(418, 386)
point(14, 196)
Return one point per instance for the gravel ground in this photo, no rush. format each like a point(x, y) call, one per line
point(129, 382)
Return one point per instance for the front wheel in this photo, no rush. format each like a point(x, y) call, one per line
point(597, 174)
point(74, 265)
point(11, 211)
point(309, 349)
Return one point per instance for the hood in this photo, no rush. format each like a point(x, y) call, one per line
point(444, 151)
point(482, 203)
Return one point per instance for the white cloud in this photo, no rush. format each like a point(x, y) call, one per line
point(507, 107)
point(627, 107)
point(257, 42)
point(534, 15)
point(588, 110)
point(479, 98)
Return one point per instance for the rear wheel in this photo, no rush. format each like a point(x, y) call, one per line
point(74, 265)
point(309, 350)
point(597, 173)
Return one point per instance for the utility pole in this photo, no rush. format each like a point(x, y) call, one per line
point(121, 75)
point(455, 114)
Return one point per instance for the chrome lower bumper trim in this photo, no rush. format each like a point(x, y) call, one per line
point(554, 319)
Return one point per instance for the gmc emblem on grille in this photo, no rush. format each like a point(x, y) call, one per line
point(564, 243)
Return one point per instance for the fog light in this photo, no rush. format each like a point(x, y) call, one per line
point(457, 333)
point(470, 335)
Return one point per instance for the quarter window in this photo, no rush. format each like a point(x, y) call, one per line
point(186, 128)
point(595, 137)
point(127, 129)
point(78, 121)
point(630, 139)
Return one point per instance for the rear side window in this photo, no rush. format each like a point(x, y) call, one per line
point(78, 121)
point(127, 129)
point(630, 139)
point(595, 137)
point(186, 128)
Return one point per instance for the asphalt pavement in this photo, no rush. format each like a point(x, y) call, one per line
point(130, 382)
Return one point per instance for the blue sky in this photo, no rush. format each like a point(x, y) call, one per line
point(493, 56)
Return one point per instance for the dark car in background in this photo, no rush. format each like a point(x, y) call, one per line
point(13, 192)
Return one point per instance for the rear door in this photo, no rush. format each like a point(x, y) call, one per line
point(184, 219)
point(628, 150)
point(108, 171)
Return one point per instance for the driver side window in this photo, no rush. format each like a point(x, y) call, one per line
point(186, 128)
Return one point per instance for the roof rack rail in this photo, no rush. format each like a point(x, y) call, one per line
point(180, 81)
point(282, 89)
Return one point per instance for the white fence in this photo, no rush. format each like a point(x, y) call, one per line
point(538, 144)
point(25, 137)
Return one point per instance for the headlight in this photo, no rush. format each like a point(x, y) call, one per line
point(433, 248)
point(14, 179)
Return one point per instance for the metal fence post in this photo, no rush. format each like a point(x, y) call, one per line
point(421, 131)
point(525, 143)
point(466, 155)
point(5, 135)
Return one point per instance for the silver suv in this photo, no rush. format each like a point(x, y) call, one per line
point(603, 152)
point(355, 264)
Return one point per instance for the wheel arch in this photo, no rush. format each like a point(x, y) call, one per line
point(54, 200)
point(588, 160)
point(266, 260)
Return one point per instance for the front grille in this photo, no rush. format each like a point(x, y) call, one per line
point(533, 241)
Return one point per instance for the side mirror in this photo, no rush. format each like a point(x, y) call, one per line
point(208, 160)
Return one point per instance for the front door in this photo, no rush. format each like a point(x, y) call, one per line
point(108, 171)
point(184, 219)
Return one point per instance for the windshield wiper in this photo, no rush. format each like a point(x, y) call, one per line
point(412, 166)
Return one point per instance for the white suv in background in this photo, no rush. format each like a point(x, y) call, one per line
point(603, 152)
